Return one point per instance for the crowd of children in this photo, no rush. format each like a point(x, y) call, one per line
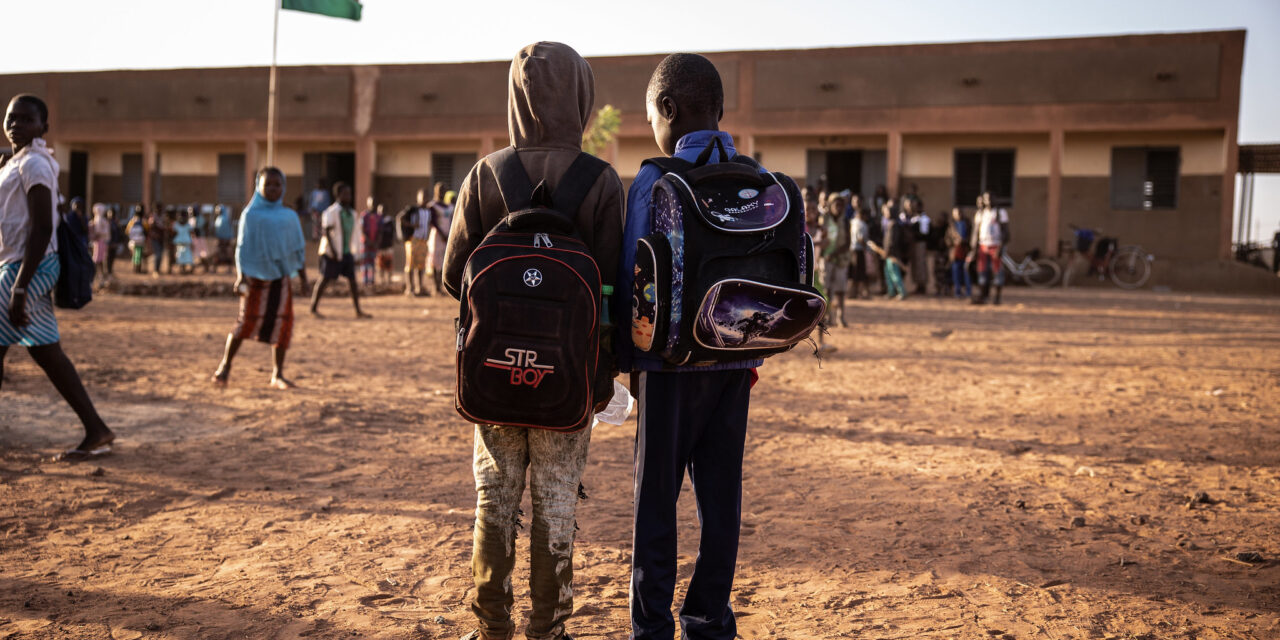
point(201, 238)
point(893, 242)
point(165, 240)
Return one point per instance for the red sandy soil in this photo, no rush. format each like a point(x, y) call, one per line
point(921, 482)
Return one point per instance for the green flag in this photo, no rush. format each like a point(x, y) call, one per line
point(349, 9)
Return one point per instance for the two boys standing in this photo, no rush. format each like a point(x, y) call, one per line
point(690, 418)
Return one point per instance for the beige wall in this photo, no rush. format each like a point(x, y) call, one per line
point(192, 160)
point(631, 152)
point(933, 156)
point(104, 159)
point(413, 159)
point(789, 154)
point(1089, 154)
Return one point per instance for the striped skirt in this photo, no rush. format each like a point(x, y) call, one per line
point(266, 312)
point(42, 327)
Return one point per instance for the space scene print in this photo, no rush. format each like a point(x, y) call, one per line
point(668, 221)
point(740, 314)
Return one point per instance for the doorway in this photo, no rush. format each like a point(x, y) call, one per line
point(844, 171)
point(78, 185)
point(858, 170)
point(330, 166)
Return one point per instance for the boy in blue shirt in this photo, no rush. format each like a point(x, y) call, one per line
point(692, 418)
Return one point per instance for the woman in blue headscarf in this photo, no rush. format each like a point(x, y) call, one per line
point(270, 250)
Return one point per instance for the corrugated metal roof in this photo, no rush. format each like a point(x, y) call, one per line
point(1259, 158)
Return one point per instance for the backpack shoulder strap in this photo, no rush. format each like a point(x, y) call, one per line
point(576, 183)
point(513, 180)
point(669, 164)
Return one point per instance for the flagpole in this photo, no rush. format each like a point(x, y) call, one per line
point(271, 91)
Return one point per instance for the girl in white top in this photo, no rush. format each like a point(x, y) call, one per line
point(29, 265)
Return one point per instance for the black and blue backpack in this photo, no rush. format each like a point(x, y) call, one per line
point(528, 329)
point(726, 272)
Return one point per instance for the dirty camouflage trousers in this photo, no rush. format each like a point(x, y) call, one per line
point(554, 462)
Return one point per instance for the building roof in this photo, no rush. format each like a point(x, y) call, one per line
point(1259, 158)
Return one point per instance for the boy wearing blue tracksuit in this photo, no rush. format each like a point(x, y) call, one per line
point(692, 418)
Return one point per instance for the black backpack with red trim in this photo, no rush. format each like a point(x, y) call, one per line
point(528, 331)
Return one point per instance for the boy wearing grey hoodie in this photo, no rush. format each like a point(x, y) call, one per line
point(550, 95)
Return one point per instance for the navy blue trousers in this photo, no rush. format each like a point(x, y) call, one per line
point(696, 422)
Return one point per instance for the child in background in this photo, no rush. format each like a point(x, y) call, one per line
point(157, 237)
point(137, 233)
point(444, 218)
point(957, 252)
point(182, 244)
point(224, 233)
point(892, 272)
point(100, 240)
point(199, 230)
point(369, 223)
point(860, 233)
point(270, 252)
point(835, 245)
point(386, 244)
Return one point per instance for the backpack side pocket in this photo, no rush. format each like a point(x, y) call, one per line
point(651, 294)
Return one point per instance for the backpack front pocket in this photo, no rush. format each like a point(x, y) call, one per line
point(744, 315)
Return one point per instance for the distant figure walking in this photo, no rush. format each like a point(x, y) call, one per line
point(340, 237)
point(270, 249)
point(989, 238)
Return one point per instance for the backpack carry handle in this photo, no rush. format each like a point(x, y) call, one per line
point(519, 193)
point(705, 156)
point(540, 219)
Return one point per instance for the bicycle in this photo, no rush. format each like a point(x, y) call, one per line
point(1128, 266)
point(1034, 271)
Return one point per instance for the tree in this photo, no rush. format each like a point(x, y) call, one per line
point(602, 130)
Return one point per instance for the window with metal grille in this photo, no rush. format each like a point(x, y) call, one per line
point(978, 170)
point(1144, 177)
point(131, 177)
point(450, 168)
point(231, 178)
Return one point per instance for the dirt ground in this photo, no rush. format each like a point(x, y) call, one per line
point(1023, 471)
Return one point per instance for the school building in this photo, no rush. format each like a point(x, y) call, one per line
point(1134, 134)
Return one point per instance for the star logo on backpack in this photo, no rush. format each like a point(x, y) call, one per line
point(532, 278)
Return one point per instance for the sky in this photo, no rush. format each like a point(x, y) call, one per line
point(150, 34)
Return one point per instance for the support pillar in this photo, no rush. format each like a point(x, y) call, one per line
point(149, 151)
point(1230, 164)
point(1053, 217)
point(893, 161)
point(53, 100)
point(366, 159)
point(251, 167)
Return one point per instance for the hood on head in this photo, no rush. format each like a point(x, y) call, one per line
point(549, 96)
